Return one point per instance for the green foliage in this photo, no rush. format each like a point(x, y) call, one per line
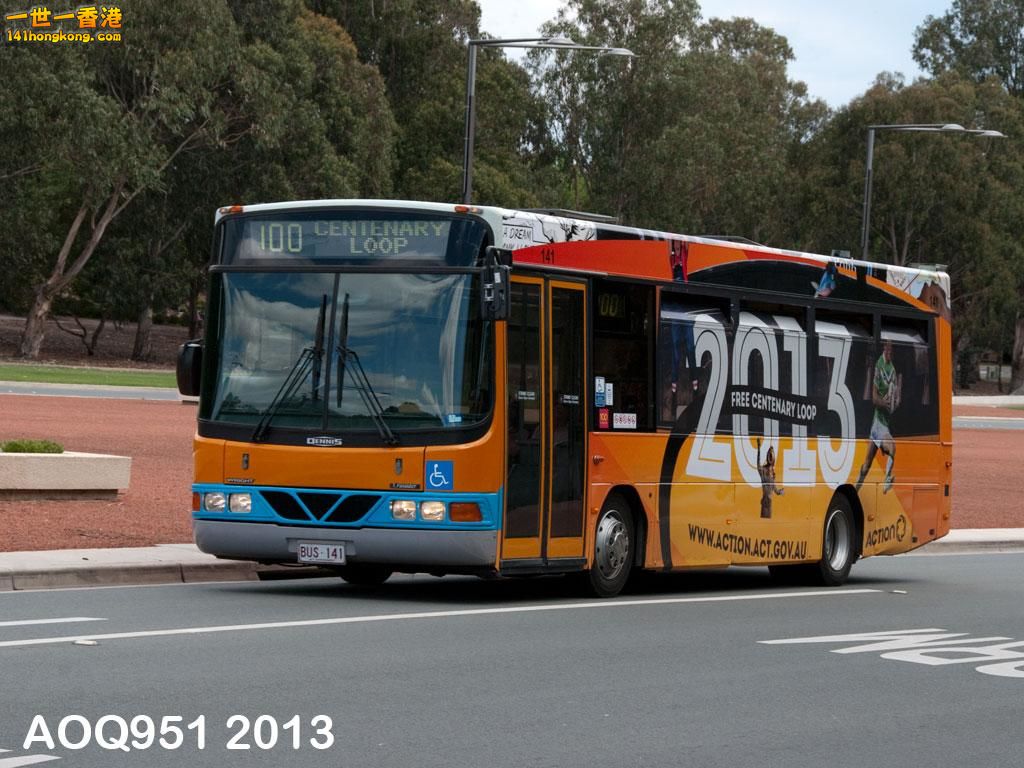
point(31, 446)
point(693, 135)
point(419, 47)
point(979, 39)
point(948, 199)
point(113, 157)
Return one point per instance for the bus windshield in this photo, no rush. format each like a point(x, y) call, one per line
point(376, 353)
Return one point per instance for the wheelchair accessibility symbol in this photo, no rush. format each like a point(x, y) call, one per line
point(440, 475)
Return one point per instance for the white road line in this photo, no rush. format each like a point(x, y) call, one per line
point(595, 605)
point(17, 762)
point(68, 620)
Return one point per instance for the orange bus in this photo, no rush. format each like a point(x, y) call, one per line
point(400, 386)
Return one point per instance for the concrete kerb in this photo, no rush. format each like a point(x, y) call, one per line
point(976, 541)
point(994, 401)
point(163, 564)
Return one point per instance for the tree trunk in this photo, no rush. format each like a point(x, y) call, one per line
point(143, 347)
point(1017, 361)
point(35, 324)
point(95, 337)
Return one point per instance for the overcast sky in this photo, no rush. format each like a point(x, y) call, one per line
point(839, 47)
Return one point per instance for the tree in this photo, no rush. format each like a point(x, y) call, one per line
point(938, 198)
point(419, 46)
point(254, 102)
point(978, 39)
point(693, 135)
point(126, 111)
point(983, 40)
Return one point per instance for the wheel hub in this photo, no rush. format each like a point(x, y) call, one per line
point(612, 546)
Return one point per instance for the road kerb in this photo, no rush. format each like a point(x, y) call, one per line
point(943, 547)
point(96, 576)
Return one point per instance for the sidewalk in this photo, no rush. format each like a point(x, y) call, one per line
point(997, 401)
point(184, 563)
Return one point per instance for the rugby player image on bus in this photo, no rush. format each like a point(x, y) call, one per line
point(885, 395)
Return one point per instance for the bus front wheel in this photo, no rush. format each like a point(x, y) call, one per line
point(613, 548)
point(364, 574)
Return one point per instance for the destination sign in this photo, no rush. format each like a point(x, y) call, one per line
point(311, 238)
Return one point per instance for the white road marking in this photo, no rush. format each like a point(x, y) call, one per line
point(595, 605)
point(68, 620)
point(17, 762)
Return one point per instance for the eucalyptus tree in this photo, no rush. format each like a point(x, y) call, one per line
point(268, 97)
point(978, 39)
point(938, 198)
point(983, 40)
point(694, 134)
point(126, 111)
point(420, 49)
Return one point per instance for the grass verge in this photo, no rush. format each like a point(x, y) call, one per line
point(51, 374)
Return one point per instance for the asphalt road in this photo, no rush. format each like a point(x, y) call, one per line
point(684, 670)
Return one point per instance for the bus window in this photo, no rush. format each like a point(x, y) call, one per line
point(842, 374)
point(623, 341)
point(914, 409)
point(693, 348)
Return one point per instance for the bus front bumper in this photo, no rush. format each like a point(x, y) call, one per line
point(270, 543)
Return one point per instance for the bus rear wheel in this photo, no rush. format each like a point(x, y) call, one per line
point(838, 550)
point(364, 574)
point(613, 548)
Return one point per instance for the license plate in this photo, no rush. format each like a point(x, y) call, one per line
point(321, 552)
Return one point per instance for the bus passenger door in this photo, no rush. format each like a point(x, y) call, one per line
point(546, 423)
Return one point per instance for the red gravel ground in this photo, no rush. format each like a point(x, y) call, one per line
point(154, 510)
point(158, 437)
point(988, 410)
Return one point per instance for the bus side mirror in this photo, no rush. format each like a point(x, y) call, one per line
point(494, 283)
point(190, 367)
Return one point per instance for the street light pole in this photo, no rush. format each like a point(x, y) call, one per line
point(563, 43)
point(905, 128)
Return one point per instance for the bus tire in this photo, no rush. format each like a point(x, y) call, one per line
point(838, 551)
point(838, 548)
point(614, 546)
point(364, 574)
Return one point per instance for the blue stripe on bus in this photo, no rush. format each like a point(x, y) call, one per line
point(315, 507)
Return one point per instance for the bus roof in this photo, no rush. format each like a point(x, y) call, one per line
point(523, 229)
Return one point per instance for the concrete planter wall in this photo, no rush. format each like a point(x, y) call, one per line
point(63, 475)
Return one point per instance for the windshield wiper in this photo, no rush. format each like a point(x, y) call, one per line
point(310, 359)
point(362, 384)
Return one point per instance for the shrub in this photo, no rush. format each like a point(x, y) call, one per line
point(31, 446)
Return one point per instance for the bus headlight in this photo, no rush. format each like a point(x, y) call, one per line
point(403, 509)
point(432, 510)
point(214, 501)
point(240, 502)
